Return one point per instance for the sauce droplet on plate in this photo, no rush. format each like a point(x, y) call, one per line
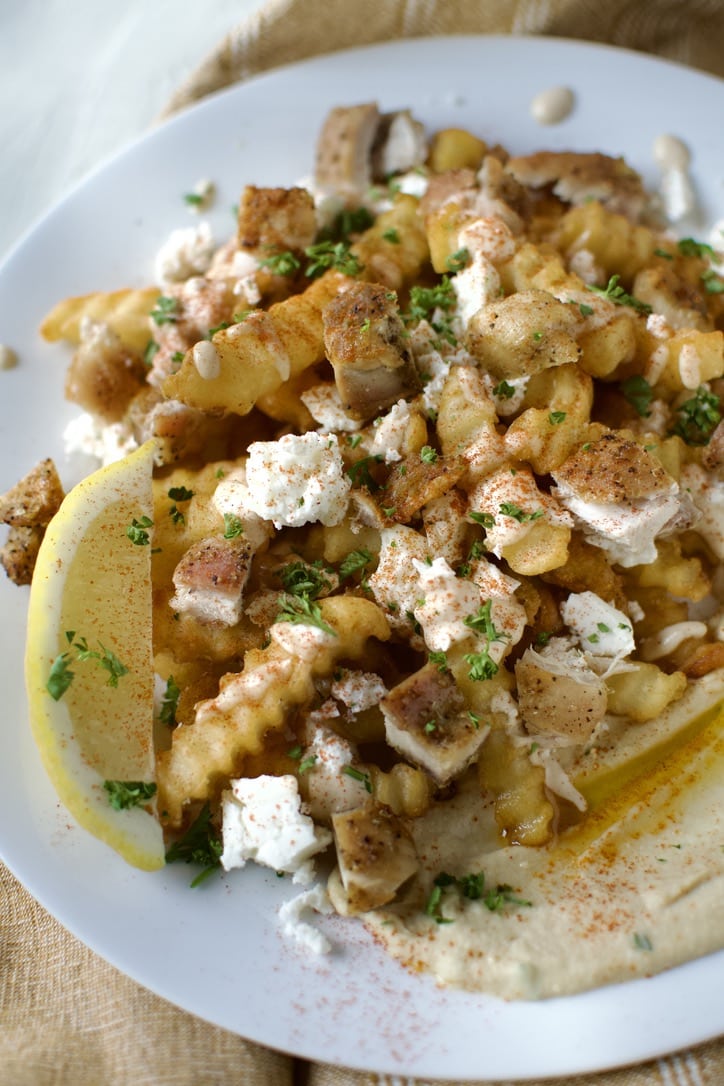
point(553, 105)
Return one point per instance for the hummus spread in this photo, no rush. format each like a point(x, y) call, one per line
point(634, 888)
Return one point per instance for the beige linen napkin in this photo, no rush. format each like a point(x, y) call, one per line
point(66, 1016)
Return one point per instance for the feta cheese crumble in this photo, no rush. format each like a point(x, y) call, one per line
point(186, 252)
point(604, 633)
point(298, 480)
point(263, 821)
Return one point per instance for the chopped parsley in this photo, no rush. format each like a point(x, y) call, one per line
point(586, 310)
point(302, 611)
point(555, 418)
point(510, 509)
point(481, 664)
point(354, 562)
point(152, 349)
point(392, 236)
point(331, 254)
point(349, 221)
point(472, 888)
point(487, 520)
point(200, 845)
point(642, 942)
point(504, 391)
point(61, 676)
point(137, 531)
point(169, 705)
point(428, 455)
point(691, 247)
point(359, 472)
point(300, 579)
point(165, 311)
point(439, 659)
point(179, 494)
point(425, 300)
point(698, 418)
point(458, 260)
point(615, 293)
point(122, 795)
point(282, 263)
point(233, 526)
point(638, 392)
point(713, 284)
point(358, 775)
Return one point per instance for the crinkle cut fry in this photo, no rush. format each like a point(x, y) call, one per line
point(268, 348)
point(126, 311)
point(236, 722)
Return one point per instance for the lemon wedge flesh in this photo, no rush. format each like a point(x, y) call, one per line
point(90, 606)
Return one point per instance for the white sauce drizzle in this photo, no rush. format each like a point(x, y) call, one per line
point(672, 156)
point(553, 105)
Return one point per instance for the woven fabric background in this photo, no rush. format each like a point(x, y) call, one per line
point(66, 1016)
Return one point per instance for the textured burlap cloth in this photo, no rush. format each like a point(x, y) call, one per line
point(65, 1015)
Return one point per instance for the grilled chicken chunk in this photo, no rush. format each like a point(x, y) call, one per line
point(426, 721)
point(365, 341)
point(210, 580)
point(376, 855)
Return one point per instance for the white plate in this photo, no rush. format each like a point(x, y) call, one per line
point(216, 950)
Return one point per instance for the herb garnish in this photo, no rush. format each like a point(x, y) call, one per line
point(137, 531)
point(282, 263)
point(300, 579)
point(428, 455)
point(472, 888)
point(165, 311)
point(233, 526)
point(358, 775)
point(638, 392)
point(698, 417)
point(169, 705)
point(199, 845)
point(302, 611)
point(510, 509)
point(481, 664)
point(504, 391)
point(615, 293)
point(61, 676)
point(458, 260)
point(354, 562)
point(359, 472)
point(329, 254)
point(122, 795)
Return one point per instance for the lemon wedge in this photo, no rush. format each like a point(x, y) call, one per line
point(88, 662)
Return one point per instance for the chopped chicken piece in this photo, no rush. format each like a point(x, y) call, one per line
point(400, 145)
point(367, 345)
point(578, 177)
point(376, 855)
point(558, 693)
point(210, 579)
point(103, 376)
point(426, 721)
point(35, 499)
point(620, 495)
point(28, 507)
point(344, 149)
point(276, 220)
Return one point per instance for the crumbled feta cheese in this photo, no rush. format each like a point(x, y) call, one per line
point(185, 252)
point(358, 690)
point(298, 480)
point(389, 432)
point(627, 531)
point(263, 821)
point(582, 263)
point(446, 601)
point(231, 497)
point(202, 196)
point(325, 406)
point(604, 633)
point(301, 931)
point(475, 286)
point(394, 583)
point(85, 435)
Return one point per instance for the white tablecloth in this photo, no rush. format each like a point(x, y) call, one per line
point(79, 79)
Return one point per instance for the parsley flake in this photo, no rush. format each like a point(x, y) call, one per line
point(615, 293)
point(122, 795)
